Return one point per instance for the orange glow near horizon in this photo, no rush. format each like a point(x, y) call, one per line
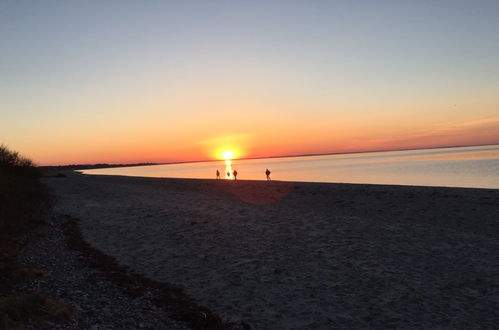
point(293, 137)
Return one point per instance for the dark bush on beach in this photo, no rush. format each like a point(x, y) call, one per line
point(13, 158)
point(12, 161)
point(24, 205)
point(24, 200)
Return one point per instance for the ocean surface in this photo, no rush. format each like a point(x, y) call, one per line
point(475, 167)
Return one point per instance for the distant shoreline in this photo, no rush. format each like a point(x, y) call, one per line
point(90, 166)
point(105, 165)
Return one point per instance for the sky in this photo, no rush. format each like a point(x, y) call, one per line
point(167, 81)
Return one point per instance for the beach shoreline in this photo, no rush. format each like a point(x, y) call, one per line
point(301, 255)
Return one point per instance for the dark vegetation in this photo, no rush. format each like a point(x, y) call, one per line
point(24, 205)
point(23, 199)
point(17, 309)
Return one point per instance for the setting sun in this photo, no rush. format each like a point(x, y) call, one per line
point(228, 154)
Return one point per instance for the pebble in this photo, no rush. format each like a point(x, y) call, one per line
point(98, 304)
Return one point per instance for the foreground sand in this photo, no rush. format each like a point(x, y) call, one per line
point(302, 255)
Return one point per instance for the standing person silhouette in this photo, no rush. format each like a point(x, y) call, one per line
point(267, 173)
point(235, 174)
point(228, 175)
point(218, 174)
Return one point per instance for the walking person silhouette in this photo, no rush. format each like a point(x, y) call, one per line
point(267, 173)
point(218, 174)
point(235, 174)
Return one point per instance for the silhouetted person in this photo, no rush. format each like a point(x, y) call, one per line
point(267, 173)
point(228, 174)
point(235, 174)
point(218, 174)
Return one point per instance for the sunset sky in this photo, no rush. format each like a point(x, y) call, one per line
point(164, 81)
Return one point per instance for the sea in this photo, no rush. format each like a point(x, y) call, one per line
point(472, 167)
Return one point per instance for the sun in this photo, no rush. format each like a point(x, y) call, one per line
point(228, 154)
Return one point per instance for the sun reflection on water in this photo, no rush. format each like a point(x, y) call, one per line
point(228, 169)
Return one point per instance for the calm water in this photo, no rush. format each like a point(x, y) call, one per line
point(452, 167)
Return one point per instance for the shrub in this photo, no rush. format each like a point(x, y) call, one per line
point(12, 161)
point(10, 158)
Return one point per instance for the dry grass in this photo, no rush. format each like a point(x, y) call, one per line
point(15, 310)
point(13, 273)
point(13, 159)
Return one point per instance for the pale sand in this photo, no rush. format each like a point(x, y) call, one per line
point(302, 255)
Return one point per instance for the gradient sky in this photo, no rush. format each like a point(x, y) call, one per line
point(160, 81)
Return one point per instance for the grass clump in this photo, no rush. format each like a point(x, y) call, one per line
point(13, 161)
point(15, 310)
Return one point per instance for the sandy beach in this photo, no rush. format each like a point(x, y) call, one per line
point(282, 255)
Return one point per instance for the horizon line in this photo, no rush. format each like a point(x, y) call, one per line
point(273, 157)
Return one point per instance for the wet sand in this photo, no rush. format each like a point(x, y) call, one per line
point(280, 255)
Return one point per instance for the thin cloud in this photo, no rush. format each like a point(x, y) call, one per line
point(471, 124)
